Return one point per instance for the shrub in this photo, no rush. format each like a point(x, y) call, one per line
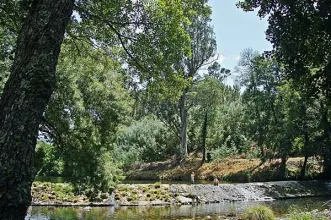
point(259, 213)
point(145, 140)
point(223, 152)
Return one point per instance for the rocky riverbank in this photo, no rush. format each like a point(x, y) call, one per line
point(179, 194)
point(201, 193)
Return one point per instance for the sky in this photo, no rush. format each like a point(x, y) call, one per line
point(236, 30)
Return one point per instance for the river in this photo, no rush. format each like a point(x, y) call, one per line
point(280, 207)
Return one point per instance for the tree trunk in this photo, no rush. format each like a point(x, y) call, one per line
point(304, 167)
point(326, 153)
point(183, 124)
point(25, 96)
point(204, 135)
point(306, 143)
point(282, 169)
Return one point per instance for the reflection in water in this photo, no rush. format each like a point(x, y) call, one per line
point(52, 179)
point(186, 211)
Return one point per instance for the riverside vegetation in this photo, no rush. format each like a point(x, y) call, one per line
point(122, 88)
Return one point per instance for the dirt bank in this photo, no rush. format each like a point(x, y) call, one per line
point(236, 170)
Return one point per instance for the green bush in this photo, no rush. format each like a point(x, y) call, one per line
point(145, 140)
point(223, 152)
point(259, 213)
point(48, 160)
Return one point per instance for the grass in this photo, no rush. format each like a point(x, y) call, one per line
point(151, 192)
point(259, 213)
point(228, 169)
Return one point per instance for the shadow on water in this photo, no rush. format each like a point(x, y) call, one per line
point(280, 207)
point(52, 179)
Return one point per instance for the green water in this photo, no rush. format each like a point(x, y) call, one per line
point(280, 207)
point(52, 179)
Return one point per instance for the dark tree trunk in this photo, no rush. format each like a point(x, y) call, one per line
point(204, 135)
point(306, 143)
point(183, 124)
point(326, 149)
point(304, 167)
point(25, 96)
point(282, 169)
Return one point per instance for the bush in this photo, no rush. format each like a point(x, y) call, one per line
point(223, 152)
point(145, 140)
point(48, 161)
point(259, 213)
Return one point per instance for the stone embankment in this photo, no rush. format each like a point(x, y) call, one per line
point(202, 193)
point(250, 191)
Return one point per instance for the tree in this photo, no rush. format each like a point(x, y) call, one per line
point(301, 38)
point(173, 84)
point(203, 47)
point(32, 76)
point(207, 94)
point(84, 113)
point(257, 77)
point(24, 98)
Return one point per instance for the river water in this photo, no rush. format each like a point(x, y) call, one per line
point(280, 207)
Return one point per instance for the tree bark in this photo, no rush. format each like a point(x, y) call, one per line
point(282, 169)
point(204, 135)
point(183, 124)
point(306, 142)
point(25, 96)
point(326, 149)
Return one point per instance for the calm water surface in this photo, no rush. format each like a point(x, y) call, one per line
point(280, 207)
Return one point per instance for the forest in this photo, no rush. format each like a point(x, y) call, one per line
point(89, 87)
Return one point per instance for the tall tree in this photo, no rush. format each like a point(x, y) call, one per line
point(24, 99)
point(203, 48)
point(32, 76)
point(207, 94)
point(301, 36)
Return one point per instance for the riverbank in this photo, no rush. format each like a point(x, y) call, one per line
point(232, 170)
point(61, 194)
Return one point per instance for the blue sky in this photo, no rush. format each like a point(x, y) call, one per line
point(236, 30)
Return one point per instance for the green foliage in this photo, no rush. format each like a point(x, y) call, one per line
point(83, 116)
point(48, 161)
point(308, 63)
point(144, 140)
point(223, 152)
point(259, 213)
point(225, 116)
